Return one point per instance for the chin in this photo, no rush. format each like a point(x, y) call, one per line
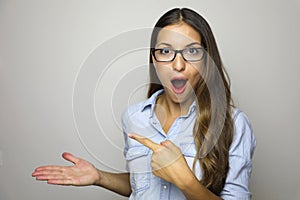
point(181, 98)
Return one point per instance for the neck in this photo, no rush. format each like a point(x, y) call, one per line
point(174, 108)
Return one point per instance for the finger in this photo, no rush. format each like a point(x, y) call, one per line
point(49, 167)
point(66, 156)
point(145, 141)
point(166, 143)
point(46, 177)
point(69, 157)
point(170, 145)
point(154, 166)
point(47, 172)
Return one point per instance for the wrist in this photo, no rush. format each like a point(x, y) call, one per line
point(187, 180)
point(99, 178)
point(193, 189)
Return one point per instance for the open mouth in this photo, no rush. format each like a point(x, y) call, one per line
point(179, 85)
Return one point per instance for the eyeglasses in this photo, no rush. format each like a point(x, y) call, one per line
point(190, 54)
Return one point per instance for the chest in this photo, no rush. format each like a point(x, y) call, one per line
point(165, 119)
point(166, 123)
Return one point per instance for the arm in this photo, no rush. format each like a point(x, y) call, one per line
point(193, 189)
point(118, 183)
point(240, 159)
point(169, 164)
point(83, 173)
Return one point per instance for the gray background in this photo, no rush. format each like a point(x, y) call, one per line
point(44, 44)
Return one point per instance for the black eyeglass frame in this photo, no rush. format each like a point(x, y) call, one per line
point(176, 52)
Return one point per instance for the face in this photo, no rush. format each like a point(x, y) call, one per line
point(178, 77)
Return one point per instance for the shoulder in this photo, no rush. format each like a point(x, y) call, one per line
point(244, 138)
point(240, 118)
point(134, 113)
point(133, 109)
point(138, 109)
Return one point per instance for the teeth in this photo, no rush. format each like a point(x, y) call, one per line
point(178, 83)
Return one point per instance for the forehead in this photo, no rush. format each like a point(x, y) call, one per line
point(178, 35)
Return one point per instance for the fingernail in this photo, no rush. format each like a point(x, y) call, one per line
point(130, 135)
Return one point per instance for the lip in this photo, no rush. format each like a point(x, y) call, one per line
point(179, 90)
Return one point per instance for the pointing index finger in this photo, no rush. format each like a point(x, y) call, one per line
point(145, 141)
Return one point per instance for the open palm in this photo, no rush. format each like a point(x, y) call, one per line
point(80, 174)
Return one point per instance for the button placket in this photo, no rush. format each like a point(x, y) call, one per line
point(156, 124)
point(164, 191)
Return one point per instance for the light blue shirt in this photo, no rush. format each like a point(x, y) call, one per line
point(141, 119)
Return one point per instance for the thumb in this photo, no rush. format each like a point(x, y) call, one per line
point(69, 157)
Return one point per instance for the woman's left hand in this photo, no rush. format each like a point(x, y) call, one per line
point(167, 162)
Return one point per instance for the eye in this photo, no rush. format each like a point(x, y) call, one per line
point(193, 51)
point(165, 51)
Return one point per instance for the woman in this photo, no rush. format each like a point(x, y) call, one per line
point(186, 141)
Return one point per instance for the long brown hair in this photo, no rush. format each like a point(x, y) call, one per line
point(213, 129)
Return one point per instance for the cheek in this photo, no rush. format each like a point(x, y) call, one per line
point(162, 73)
point(196, 76)
point(195, 81)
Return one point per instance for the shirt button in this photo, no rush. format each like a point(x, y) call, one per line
point(154, 122)
point(165, 187)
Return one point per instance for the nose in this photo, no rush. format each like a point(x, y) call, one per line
point(179, 63)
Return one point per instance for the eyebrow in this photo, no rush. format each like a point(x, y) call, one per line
point(163, 43)
point(169, 45)
point(193, 44)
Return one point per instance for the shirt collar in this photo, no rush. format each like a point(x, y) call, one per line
point(192, 108)
point(151, 101)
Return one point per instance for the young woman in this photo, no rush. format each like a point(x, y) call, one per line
point(186, 141)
